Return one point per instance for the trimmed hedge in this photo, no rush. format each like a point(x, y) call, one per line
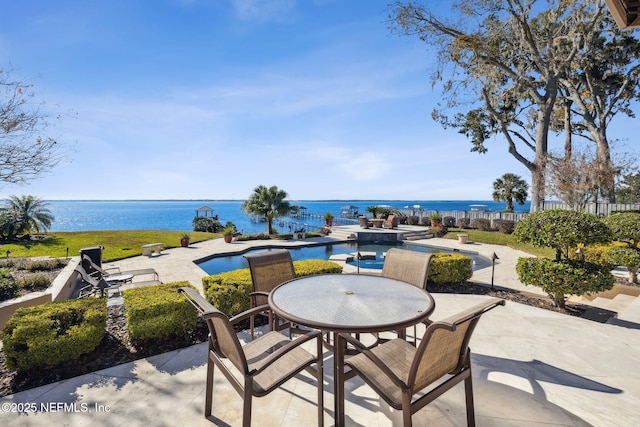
point(450, 268)
point(565, 277)
point(158, 312)
point(46, 335)
point(482, 224)
point(8, 287)
point(464, 222)
point(594, 254)
point(229, 291)
point(504, 226)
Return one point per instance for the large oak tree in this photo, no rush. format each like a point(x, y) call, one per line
point(506, 65)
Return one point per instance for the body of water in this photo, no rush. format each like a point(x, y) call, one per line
point(86, 215)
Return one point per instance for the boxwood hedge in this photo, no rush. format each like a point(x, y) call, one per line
point(46, 335)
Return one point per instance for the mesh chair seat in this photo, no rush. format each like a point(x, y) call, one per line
point(397, 354)
point(258, 350)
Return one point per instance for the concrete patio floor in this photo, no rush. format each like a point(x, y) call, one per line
point(531, 367)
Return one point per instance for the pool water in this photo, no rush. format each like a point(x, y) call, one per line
point(220, 264)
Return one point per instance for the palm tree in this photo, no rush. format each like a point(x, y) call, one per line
point(30, 214)
point(510, 187)
point(268, 203)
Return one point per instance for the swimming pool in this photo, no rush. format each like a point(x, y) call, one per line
point(220, 264)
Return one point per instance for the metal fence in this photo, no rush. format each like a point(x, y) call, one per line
point(600, 209)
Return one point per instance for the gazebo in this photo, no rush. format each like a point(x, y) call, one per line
point(205, 211)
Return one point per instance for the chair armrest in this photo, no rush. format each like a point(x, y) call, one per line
point(273, 357)
point(249, 313)
point(255, 294)
point(375, 359)
point(202, 305)
point(112, 270)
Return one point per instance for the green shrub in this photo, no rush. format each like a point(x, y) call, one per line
point(34, 281)
point(561, 230)
point(229, 291)
point(207, 224)
point(482, 224)
point(449, 221)
point(504, 226)
point(625, 226)
point(44, 264)
point(312, 267)
point(464, 222)
point(425, 220)
point(255, 236)
point(561, 278)
point(450, 268)
point(594, 254)
point(158, 312)
point(413, 220)
point(8, 286)
point(46, 335)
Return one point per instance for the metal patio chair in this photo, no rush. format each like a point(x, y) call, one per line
point(94, 286)
point(264, 363)
point(96, 271)
point(268, 270)
point(408, 266)
point(398, 371)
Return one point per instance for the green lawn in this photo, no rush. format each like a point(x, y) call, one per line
point(118, 244)
point(494, 238)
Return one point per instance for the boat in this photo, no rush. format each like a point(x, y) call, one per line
point(479, 208)
point(349, 212)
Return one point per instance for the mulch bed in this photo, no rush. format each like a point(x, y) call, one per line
point(116, 349)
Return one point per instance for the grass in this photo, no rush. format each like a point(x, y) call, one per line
point(118, 244)
point(494, 238)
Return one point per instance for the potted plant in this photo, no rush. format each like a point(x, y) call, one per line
point(184, 240)
point(328, 219)
point(229, 231)
point(436, 220)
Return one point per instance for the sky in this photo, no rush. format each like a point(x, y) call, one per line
point(207, 99)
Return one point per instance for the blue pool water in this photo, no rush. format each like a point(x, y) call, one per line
point(221, 264)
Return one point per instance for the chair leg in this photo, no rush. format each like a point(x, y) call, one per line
point(208, 401)
point(246, 404)
point(468, 390)
point(320, 380)
point(406, 409)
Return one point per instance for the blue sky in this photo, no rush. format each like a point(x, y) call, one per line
point(191, 99)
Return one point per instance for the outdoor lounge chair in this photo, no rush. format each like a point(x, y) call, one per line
point(397, 371)
point(391, 222)
point(408, 266)
point(98, 272)
point(265, 363)
point(94, 286)
point(364, 222)
point(268, 270)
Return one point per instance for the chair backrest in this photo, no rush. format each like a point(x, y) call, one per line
point(445, 346)
point(408, 266)
point(269, 269)
point(222, 336)
point(96, 283)
point(91, 267)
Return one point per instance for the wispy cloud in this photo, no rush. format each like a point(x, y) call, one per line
point(263, 11)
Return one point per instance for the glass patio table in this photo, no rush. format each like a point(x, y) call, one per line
point(353, 304)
